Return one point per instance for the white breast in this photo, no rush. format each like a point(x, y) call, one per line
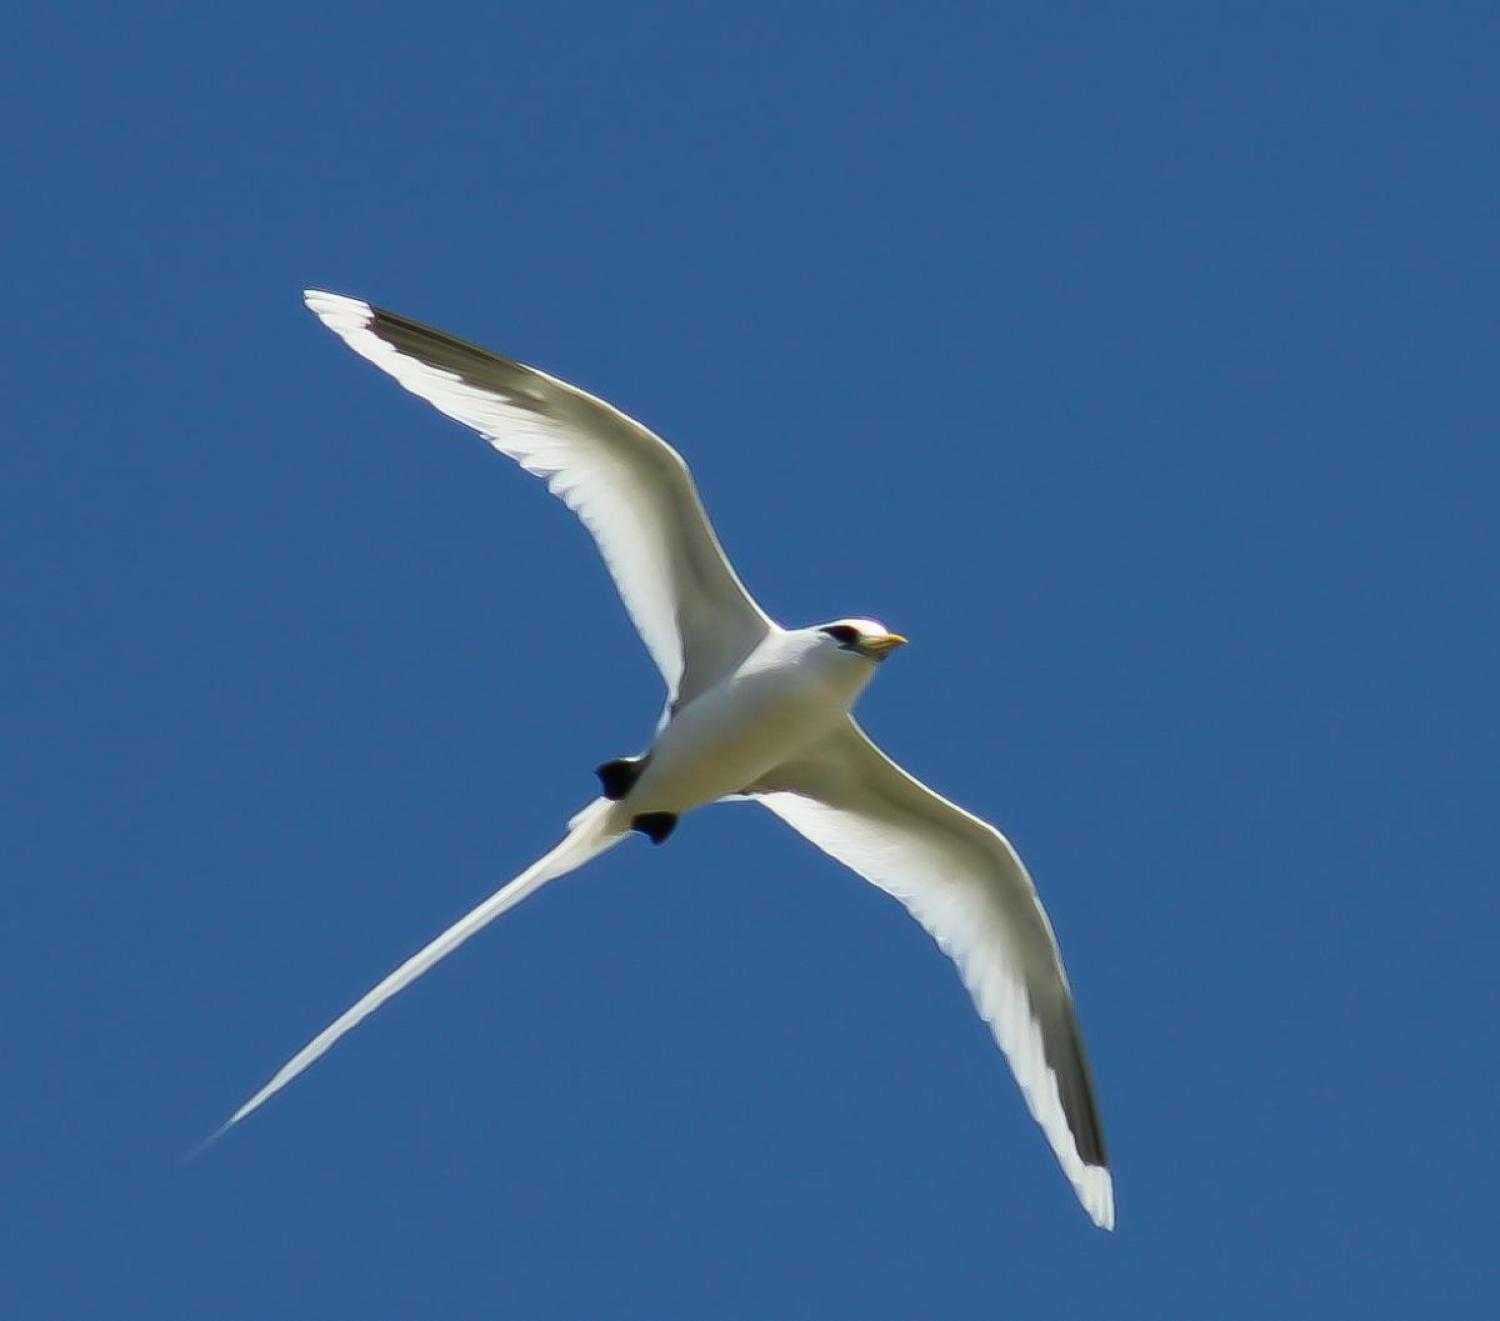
point(787, 693)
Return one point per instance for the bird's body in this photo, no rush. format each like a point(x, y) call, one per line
point(789, 691)
point(753, 710)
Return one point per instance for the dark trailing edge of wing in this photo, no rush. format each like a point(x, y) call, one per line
point(436, 346)
point(1075, 1089)
point(520, 386)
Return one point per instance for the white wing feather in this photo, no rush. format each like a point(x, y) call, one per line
point(629, 487)
point(961, 879)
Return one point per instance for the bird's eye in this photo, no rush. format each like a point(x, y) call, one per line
point(843, 634)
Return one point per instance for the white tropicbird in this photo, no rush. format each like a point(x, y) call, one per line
point(753, 710)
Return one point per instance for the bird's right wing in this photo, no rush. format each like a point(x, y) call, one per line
point(960, 878)
point(629, 487)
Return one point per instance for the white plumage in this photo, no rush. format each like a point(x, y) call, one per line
point(754, 710)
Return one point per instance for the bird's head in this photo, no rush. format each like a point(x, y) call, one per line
point(860, 637)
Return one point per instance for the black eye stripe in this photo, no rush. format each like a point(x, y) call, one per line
point(842, 634)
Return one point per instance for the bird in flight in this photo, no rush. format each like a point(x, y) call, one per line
point(753, 711)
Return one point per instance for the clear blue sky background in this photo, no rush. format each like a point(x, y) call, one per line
point(1138, 360)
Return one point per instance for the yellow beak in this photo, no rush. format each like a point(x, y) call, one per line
point(882, 646)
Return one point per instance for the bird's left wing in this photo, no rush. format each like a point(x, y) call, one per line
point(961, 879)
point(629, 487)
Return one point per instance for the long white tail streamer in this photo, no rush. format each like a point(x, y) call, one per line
point(588, 836)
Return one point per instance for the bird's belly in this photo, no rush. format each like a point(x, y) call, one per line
point(728, 739)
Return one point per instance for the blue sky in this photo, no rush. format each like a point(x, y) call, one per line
point(1137, 361)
